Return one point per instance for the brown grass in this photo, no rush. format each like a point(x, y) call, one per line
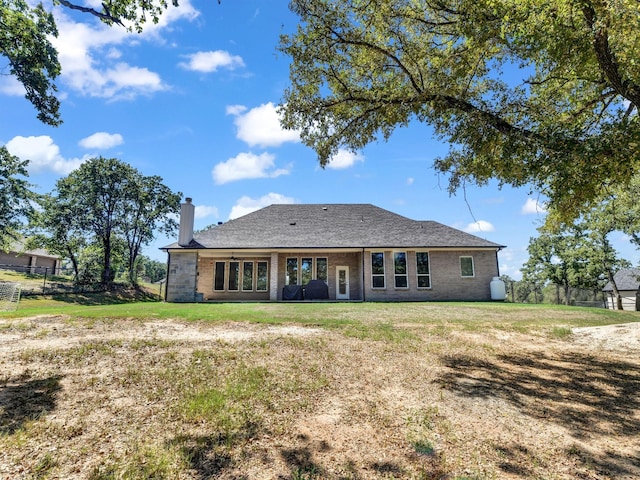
point(136, 399)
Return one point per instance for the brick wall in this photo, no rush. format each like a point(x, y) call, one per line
point(346, 259)
point(446, 280)
point(206, 273)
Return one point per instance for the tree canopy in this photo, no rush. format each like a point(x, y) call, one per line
point(32, 58)
point(533, 93)
point(15, 198)
point(111, 207)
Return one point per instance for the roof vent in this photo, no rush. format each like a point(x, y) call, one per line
point(292, 223)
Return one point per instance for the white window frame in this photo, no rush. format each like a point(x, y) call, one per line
point(375, 275)
point(253, 279)
point(301, 269)
point(257, 270)
point(224, 275)
point(473, 267)
point(287, 280)
point(315, 266)
point(418, 274)
point(238, 277)
point(397, 275)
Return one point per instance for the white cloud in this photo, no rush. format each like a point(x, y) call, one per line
point(204, 211)
point(532, 206)
point(91, 63)
point(43, 154)
point(246, 205)
point(211, 61)
point(9, 85)
point(479, 226)
point(410, 180)
point(261, 126)
point(101, 140)
point(235, 109)
point(344, 159)
point(245, 166)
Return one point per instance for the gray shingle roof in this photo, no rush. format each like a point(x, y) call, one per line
point(626, 279)
point(332, 226)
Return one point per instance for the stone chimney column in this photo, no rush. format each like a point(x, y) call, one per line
point(187, 211)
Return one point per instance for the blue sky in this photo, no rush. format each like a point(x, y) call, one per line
point(193, 99)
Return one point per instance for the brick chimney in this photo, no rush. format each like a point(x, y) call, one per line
point(187, 211)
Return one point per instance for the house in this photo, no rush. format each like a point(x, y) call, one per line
point(627, 282)
point(328, 251)
point(30, 261)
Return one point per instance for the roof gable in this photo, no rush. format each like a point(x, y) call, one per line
point(332, 226)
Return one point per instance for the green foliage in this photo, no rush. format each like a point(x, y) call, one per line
point(573, 257)
point(151, 270)
point(25, 33)
point(15, 197)
point(105, 211)
point(536, 93)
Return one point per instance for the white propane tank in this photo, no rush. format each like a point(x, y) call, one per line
point(498, 289)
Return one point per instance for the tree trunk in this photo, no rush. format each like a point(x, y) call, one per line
point(616, 292)
point(106, 259)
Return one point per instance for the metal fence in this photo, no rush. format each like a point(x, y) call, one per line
point(46, 280)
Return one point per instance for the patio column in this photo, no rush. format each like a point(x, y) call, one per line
point(273, 277)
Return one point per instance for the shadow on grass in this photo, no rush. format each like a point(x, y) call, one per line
point(210, 455)
point(22, 401)
point(580, 392)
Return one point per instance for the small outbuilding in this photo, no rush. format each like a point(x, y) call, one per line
point(30, 261)
point(627, 282)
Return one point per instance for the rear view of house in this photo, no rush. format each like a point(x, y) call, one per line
point(339, 252)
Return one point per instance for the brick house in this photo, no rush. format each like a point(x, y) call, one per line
point(30, 261)
point(336, 252)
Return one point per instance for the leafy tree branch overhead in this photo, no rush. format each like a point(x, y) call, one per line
point(25, 43)
point(532, 93)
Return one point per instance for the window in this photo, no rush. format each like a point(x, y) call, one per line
point(218, 278)
point(261, 280)
point(322, 270)
point(422, 269)
point(377, 270)
point(466, 267)
point(400, 269)
point(292, 272)
point(306, 269)
point(234, 275)
point(247, 276)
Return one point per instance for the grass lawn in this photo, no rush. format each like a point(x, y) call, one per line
point(315, 391)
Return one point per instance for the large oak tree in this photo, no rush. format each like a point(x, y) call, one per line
point(536, 93)
point(111, 205)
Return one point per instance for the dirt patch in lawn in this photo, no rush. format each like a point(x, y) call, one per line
point(168, 399)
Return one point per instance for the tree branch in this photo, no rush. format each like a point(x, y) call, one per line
point(102, 16)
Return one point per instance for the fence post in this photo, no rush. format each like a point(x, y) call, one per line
point(44, 283)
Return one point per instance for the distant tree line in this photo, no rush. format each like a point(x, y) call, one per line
point(568, 262)
point(98, 218)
